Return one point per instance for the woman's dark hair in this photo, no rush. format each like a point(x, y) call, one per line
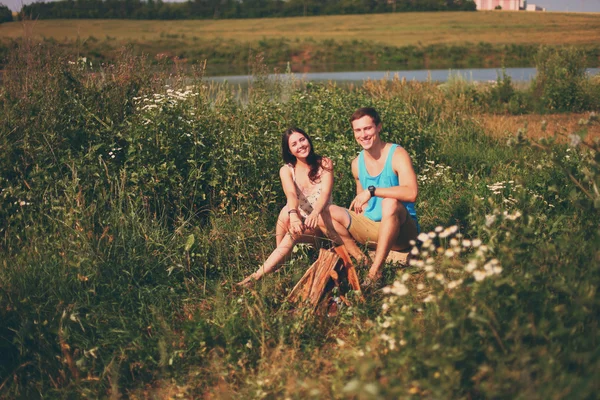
point(313, 159)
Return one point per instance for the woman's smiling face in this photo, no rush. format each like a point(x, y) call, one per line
point(299, 145)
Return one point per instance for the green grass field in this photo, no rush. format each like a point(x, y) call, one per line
point(314, 44)
point(391, 29)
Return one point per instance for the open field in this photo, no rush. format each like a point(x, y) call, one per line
point(391, 29)
point(536, 126)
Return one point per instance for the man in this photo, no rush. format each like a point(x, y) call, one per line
point(383, 211)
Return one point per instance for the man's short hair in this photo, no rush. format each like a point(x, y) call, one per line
point(361, 112)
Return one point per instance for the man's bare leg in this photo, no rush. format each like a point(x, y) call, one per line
point(393, 215)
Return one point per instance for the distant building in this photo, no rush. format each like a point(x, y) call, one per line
point(533, 7)
point(511, 5)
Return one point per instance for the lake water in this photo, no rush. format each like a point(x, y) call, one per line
point(439, 75)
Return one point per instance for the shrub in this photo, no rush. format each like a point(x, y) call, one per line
point(561, 80)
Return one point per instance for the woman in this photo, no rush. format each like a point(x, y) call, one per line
point(307, 180)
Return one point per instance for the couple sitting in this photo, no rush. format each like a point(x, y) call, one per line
point(381, 214)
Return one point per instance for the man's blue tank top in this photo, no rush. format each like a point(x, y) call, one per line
point(387, 178)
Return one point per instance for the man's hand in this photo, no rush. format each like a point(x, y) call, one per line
point(360, 201)
point(312, 221)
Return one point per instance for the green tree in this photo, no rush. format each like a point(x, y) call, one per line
point(5, 14)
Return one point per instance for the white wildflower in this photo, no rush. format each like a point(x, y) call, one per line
point(429, 299)
point(423, 237)
point(454, 284)
point(471, 266)
point(479, 275)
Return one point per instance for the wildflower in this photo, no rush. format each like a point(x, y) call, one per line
point(471, 266)
point(449, 253)
point(414, 251)
point(479, 275)
point(423, 237)
point(574, 140)
point(420, 286)
point(512, 217)
point(429, 299)
point(466, 243)
point(439, 277)
point(438, 229)
point(455, 284)
point(431, 235)
point(476, 242)
point(430, 274)
point(405, 277)
point(398, 289)
point(489, 220)
point(453, 242)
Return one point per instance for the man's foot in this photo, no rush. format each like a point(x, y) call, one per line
point(371, 284)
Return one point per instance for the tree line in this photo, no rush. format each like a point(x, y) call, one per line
point(226, 9)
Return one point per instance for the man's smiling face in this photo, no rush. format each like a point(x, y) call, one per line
point(365, 131)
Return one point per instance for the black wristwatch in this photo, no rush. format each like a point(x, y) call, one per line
point(371, 190)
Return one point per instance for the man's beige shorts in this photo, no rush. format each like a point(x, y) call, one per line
point(366, 231)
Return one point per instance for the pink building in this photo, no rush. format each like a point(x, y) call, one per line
point(511, 5)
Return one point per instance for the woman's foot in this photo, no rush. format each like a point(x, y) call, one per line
point(249, 281)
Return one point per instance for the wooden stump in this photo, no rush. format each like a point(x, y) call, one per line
point(333, 268)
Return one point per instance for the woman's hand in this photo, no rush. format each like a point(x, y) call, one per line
point(296, 225)
point(312, 221)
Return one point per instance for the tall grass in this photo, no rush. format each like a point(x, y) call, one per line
point(134, 198)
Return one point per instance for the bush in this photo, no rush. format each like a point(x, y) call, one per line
point(560, 84)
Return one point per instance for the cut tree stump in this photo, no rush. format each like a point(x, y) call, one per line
point(333, 268)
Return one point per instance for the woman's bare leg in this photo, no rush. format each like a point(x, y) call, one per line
point(334, 220)
point(283, 225)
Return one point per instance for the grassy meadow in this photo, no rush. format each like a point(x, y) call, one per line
point(134, 197)
point(402, 29)
point(376, 41)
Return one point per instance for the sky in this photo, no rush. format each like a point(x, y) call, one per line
point(550, 5)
